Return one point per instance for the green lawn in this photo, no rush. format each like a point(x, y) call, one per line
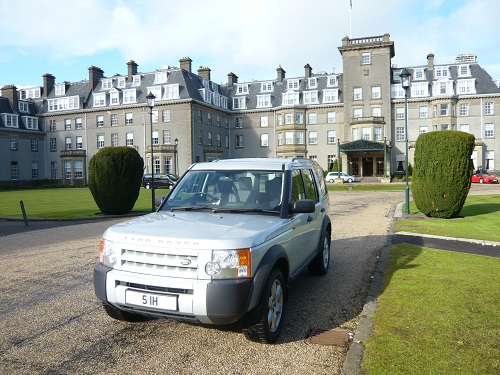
point(437, 314)
point(479, 218)
point(61, 203)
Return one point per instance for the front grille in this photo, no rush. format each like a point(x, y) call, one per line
point(155, 288)
point(155, 263)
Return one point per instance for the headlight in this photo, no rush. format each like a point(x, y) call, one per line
point(229, 264)
point(107, 255)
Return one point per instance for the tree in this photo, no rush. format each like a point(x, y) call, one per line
point(115, 175)
point(442, 172)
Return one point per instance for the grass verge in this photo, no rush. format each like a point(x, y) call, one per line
point(61, 203)
point(479, 219)
point(437, 314)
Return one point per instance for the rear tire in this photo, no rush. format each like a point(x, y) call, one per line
point(320, 264)
point(124, 316)
point(269, 313)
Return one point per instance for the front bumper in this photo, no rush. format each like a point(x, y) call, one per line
point(205, 301)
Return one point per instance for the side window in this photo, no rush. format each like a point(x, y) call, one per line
point(310, 185)
point(321, 178)
point(298, 191)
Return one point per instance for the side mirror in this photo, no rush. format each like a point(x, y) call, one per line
point(159, 200)
point(303, 206)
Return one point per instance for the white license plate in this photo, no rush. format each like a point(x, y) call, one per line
point(157, 301)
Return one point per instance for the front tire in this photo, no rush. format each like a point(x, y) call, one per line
point(270, 311)
point(320, 264)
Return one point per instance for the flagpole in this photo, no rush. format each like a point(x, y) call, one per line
point(350, 18)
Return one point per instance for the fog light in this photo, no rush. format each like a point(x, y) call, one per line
point(212, 268)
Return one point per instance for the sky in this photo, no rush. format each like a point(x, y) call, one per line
point(250, 38)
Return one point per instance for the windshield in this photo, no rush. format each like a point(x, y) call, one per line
point(227, 190)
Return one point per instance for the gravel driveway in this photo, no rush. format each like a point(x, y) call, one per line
point(51, 322)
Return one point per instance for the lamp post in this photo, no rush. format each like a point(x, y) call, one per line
point(405, 82)
point(151, 103)
point(176, 141)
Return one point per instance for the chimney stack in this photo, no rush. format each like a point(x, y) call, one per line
point(95, 74)
point(185, 63)
point(308, 71)
point(204, 72)
point(430, 61)
point(232, 79)
point(10, 92)
point(281, 74)
point(48, 84)
point(132, 69)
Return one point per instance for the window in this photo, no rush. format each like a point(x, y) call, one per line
point(330, 96)
point(114, 119)
point(34, 170)
point(490, 160)
point(488, 130)
point(443, 88)
point(129, 139)
point(155, 138)
point(107, 83)
point(13, 143)
point(313, 138)
point(53, 144)
point(365, 58)
point(366, 134)
point(376, 111)
point(440, 72)
point(218, 140)
point(34, 144)
point(397, 91)
point(239, 141)
point(288, 118)
point(423, 129)
point(199, 115)
point(355, 134)
point(400, 133)
point(114, 139)
point(400, 113)
point(23, 107)
point(30, 122)
point(209, 118)
point(165, 115)
point(333, 81)
point(444, 126)
point(167, 164)
point(14, 171)
point(463, 70)
point(53, 170)
point(78, 168)
point(167, 138)
point(311, 97)
point(444, 110)
point(200, 137)
point(330, 136)
point(422, 111)
point(263, 101)
point(60, 89)
point(266, 86)
point(299, 118)
point(100, 121)
point(155, 90)
point(67, 170)
point(290, 98)
point(466, 86)
point(239, 102)
point(330, 117)
point(121, 82)
point(264, 140)
point(129, 118)
point(312, 82)
point(238, 123)
point(10, 121)
point(78, 123)
point(464, 109)
point(136, 80)
point(299, 138)
point(154, 114)
point(79, 142)
point(171, 92)
point(418, 74)
point(357, 93)
point(226, 122)
point(264, 121)
point(311, 118)
point(99, 99)
point(357, 112)
point(280, 119)
point(67, 143)
point(376, 92)
point(465, 128)
point(217, 119)
point(377, 133)
point(241, 89)
point(280, 139)
point(67, 124)
point(161, 77)
point(293, 84)
point(52, 126)
point(129, 96)
point(72, 102)
point(100, 140)
point(289, 138)
point(489, 108)
point(419, 89)
point(209, 138)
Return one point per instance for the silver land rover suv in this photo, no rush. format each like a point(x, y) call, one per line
point(222, 247)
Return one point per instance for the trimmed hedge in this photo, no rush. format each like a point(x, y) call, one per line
point(115, 176)
point(442, 172)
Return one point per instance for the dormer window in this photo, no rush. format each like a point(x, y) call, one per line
point(418, 74)
point(242, 89)
point(23, 107)
point(293, 84)
point(239, 103)
point(99, 99)
point(313, 83)
point(107, 83)
point(266, 87)
point(156, 91)
point(60, 89)
point(121, 82)
point(114, 97)
point(129, 96)
point(136, 80)
point(333, 81)
point(441, 72)
point(464, 71)
point(161, 77)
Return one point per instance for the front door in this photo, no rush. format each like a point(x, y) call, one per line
point(367, 166)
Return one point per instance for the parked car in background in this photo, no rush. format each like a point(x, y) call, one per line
point(484, 179)
point(160, 180)
point(331, 176)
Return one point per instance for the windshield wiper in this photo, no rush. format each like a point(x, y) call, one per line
point(190, 208)
point(246, 210)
